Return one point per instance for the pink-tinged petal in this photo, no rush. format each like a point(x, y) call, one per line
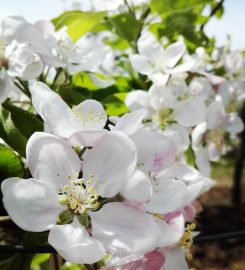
point(175, 260)
point(168, 195)
point(131, 122)
point(52, 108)
point(118, 263)
point(31, 204)
point(189, 212)
point(124, 230)
point(153, 260)
point(190, 112)
point(89, 115)
point(138, 188)
point(87, 138)
point(51, 159)
point(73, 242)
point(214, 79)
point(155, 150)
point(171, 230)
point(140, 63)
point(111, 162)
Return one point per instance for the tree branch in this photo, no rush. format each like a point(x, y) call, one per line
point(213, 12)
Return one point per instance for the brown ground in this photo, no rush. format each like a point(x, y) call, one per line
point(222, 217)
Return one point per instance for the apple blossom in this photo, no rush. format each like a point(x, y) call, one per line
point(35, 203)
point(156, 62)
point(60, 119)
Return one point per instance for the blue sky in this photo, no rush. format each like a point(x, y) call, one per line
point(232, 22)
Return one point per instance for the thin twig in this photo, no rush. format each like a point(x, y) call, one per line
point(213, 12)
point(49, 249)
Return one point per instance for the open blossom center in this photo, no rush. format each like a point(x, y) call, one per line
point(79, 196)
point(87, 116)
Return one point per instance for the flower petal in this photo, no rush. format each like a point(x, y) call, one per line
point(88, 115)
point(53, 110)
point(73, 242)
point(190, 112)
point(138, 188)
point(173, 53)
point(140, 63)
point(138, 99)
point(155, 150)
point(32, 204)
point(111, 162)
point(87, 138)
point(124, 230)
point(234, 124)
point(51, 159)
point(202, 160)
point(130, 122)
point(172, 231)
point(175, 259)
point(168, 195)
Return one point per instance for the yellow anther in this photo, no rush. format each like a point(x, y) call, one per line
point(187, 241)
point(91, 190)
point(159, 216)
point(73, 204)
point(66, 188)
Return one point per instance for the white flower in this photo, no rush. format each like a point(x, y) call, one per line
point(6, 85)
point(211, 133)
point(158, 63)
point(17, 28)
point(22, 61)
point(35, 204)
point(60, 119)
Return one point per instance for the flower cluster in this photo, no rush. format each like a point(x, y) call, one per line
point(118, 189)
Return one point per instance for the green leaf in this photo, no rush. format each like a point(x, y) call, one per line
point(126, 26)
point(83, 80)
point(78, 23)
point(115, 104)
point(16, 126)
point(116, 43)
point(26, 122)
point(164, 7)
point(39, 259)
point(73, 95)
point(10, 164)
point(11, 134)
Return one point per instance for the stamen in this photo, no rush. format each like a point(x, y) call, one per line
point(80, 198)
point(88, 116)
point(187, 240)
